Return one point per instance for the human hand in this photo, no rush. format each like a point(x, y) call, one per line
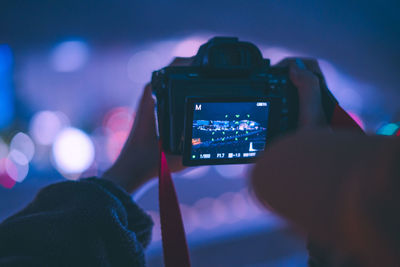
point(341, 190)
point(302, 74)
point(138, 160)
point(311, 114)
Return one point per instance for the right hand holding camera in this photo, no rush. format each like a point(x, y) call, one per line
point(302, 74)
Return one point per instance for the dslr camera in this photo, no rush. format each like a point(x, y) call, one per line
point(226, 107)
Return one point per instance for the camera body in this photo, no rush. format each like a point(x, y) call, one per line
point(226, 106)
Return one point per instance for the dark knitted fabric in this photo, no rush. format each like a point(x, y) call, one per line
point(90, 222)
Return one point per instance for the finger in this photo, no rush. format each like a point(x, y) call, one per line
point(302, 78)
point(307, 84)
point(310, 64)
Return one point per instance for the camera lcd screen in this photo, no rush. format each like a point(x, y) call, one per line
point(228, 131)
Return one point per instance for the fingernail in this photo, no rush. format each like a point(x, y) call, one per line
point(300, 64)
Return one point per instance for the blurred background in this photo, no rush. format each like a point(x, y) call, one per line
point(71, 74)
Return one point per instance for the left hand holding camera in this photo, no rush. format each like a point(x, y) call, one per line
point(138, 161)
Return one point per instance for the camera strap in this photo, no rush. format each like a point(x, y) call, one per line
point(175, 248)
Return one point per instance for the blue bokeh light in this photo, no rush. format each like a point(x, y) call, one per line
point(6, 90)
point(389, 129)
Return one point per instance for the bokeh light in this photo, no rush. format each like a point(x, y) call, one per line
point(3, 149)
point(195, 172)
point(22, 148)
point(6, 89)
point(156, 233)
point(141, 65)
point(16, 170)
point(5, 180)
point(202, 206)
point(389, 129)
point(18, 157)
point(119, 119)
point(73, 151)
point(6, 58)
point(100, 140)
point(276, 54)
point(45, 125)
point(69, 55)
point(190, 218)
point(210, 213)
point(220, 211)
point(239, 206)
point(227, 198)
point(232, 171)
point(117, 123)
point(189, 46)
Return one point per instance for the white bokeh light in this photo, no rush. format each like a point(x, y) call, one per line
point(188, 47)
point(22, 148)
point(73, 151)
point(141, 65)
point(276, 54)
point(45, 126)
point(18, 157)
point(232, 171)
point(69, 56)
point(15, 170)
point(194, 173)
point(202, 207)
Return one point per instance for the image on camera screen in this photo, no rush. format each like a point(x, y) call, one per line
point(229, 130)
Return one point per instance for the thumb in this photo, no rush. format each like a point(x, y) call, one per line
point(301, 77)
point(309, 92)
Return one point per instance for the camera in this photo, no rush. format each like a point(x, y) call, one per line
point(226, 107)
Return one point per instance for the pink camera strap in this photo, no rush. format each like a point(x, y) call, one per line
point(175, 248)
point(176, 252)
